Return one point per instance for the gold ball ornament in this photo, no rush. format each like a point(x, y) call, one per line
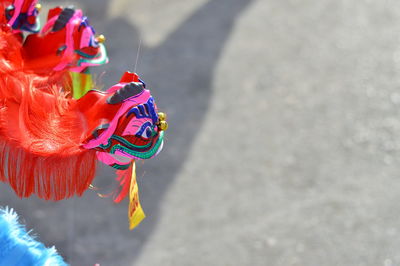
point(38, 7)
point(163, 125)
point(101, 38)
point(162, 116)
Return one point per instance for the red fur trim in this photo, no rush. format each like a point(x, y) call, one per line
point(41, 131)
point(51, 177)
point(124, 178)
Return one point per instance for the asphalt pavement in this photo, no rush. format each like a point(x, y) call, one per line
point(284, 139)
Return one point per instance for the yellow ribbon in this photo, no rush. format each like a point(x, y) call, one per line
point(135, 211)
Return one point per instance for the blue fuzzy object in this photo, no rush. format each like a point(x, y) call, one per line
point(18, 248)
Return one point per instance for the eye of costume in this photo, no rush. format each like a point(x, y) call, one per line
point(10, 10)
point(146, 130)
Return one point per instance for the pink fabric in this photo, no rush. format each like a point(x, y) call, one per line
point(126, 105)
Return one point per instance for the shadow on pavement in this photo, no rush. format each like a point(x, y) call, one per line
point(180, 73)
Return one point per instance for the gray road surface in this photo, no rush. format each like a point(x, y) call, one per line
point(284, 139)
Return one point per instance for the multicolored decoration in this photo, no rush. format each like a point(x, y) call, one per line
point(54, 126)
point(132, 130)
point(66, 41)
point(23, 15)
point(19, 248)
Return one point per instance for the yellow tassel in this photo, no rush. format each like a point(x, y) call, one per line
point(135, 211)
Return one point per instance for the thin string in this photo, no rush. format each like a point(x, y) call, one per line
point(137, 54)
point(71, 215)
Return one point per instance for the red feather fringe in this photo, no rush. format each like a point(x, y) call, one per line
point(41, 131)
point(124, 178)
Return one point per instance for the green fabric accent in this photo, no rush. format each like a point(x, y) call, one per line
point(38, 26)
point(102, 60)
point(81, 84)
point(121, 166)
point(141, 155)
point(127, 143)
point(104, 147)
point(86, 55)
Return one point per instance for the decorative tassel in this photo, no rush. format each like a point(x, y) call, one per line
point(135, 211)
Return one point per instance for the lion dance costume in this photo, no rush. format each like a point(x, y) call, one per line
point(54, 126)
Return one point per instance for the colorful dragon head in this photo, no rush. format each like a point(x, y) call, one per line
point(67, 41)
point(127, 125)
point(22, 15)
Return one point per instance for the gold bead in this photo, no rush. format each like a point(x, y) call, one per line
point(162, 116)
point(101, 38)
point(38, 7)
point(163, 125)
